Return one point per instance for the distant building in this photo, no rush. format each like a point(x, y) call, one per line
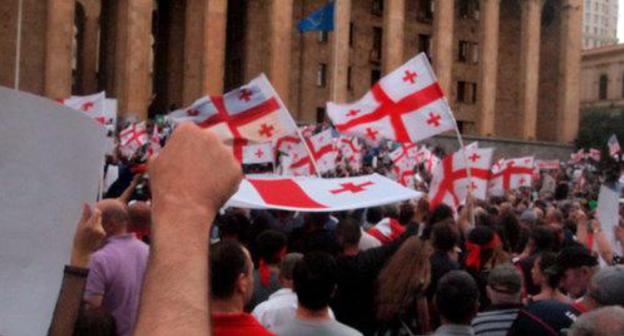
point(602, 77)
point(600, 22)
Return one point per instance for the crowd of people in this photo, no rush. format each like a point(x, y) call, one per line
point(162, 258)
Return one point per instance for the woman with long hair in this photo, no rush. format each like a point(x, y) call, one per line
point(547, 279)
point(400, 300)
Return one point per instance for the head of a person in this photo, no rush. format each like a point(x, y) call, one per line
point(528, 218)
point(606, 321)
point(286, 268)
point(348, 233)
point(231, 273)
point(405, 277)
point(482, 244)
point(457, 298)
point(607, 287)
point(315, 220)
point(576, 265)
point(271, 246)
point(407, 213)
point(374, 215)
point(445, 236)
point(542, 272)
point(543, 238)
point(438, 214)
point(314, 280)
point(233, 225)
point(114, 216)
point(504, 285)
point(139, 214)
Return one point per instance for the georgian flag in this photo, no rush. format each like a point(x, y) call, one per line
point(387, 230)
point(594, 154)
point(511, 174)
point(92, 105)
point(614, 146)
point(258, 153)
point(293, 156)
point(450, 183)
point(253, 113)
point(154, 146)
point(351, 151)
point(324, 150)
point(311, 194)
point(406, 105)
point(133, 138)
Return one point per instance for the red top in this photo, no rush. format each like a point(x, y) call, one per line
point(240, 324)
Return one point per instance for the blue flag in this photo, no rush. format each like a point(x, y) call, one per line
point(321, 19)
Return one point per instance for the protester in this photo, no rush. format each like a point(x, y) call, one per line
point(271, 248)
point(280, 307)
point(577, 265)
point(607, 321)
point(315, 282)
point(232, 284)
point(116, 270)
point(457, 301)
point(504, 290)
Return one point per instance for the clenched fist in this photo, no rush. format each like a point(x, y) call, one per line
point(194, 172)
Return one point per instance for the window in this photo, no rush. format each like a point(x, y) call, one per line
point(603, 87)
point(424, 43)
point(464, 50)
point(322, 37)
point(468, 52)
point(321, 75)
point(377, 40)
point(466, 92)
point(377, 7)
point(425, 10)
point(461, 91)
point(320, 115)
point(375, 76)
point(469, 9)
point(351, 34)
point(349, 79)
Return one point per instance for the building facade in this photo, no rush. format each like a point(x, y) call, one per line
point(600, 19)
point(602, 70)
point(510, 68)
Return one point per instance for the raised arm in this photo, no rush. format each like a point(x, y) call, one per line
point(190, 180)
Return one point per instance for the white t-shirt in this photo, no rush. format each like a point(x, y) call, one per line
point(279, 309)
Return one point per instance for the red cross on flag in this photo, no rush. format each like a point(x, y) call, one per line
point(258, 153)
point(154, 146)
point(406, 105)
point(450, 183)
point(132, 138)
point(351, 151)
point(92, 105)
point(511, 174)
point(292, 151)
point(253, 113)
point(311, 194)
point(594, 154)
point(323, 150)
point(387, 230)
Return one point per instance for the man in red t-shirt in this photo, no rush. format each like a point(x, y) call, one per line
point(231, 281)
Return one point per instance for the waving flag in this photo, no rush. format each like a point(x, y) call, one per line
point(321, 19)
point(323, 150)
point(154, 146)
point(594, 154)
point(253, 113)
point(351, 151)
point(92, 105)
point(614, 146)
point(132, 138)
point(258, 153)
point(450, 183)
point(311, 194)
point(511, 174)
point(387, 230)
point(407, 105)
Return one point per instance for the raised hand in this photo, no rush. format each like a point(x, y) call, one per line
point(88, 237)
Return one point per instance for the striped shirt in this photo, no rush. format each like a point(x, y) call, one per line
point(495, 321)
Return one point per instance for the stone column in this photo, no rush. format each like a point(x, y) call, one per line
point(90, 46)
point(133, 53)
point(488, 50)
point(340, 51)
point(529, 65)
point(281, 26)
point(393, 34)
point(568, 108)
point(58, 51)
point(204, 48)
point(443, 43)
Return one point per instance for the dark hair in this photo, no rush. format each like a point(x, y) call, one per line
point(544, 238)
point(233, 225)
point(457, 297)
point(314, 280)
point(438, 214)
point(374, 215)
point(269, 243)
point(444, 235)
point(348, 232)
point(227, 262)
point(511, 231)
point(547, 261)
point(406, 213)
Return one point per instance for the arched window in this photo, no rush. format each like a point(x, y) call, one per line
point(603, 87)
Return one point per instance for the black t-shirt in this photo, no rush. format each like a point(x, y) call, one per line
point(544, 318)
point(441, 264)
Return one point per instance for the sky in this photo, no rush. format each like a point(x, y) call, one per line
point(620, 33)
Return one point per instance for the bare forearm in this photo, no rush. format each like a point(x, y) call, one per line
point(177, 278)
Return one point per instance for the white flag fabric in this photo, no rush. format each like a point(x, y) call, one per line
point(608, 215)
point(253, 113)
point(132, 138)
point(258, 153)
point(311, 194)
point(351, 151)
point(324, 150)
point(406, 105)
point(547, 164)
point(614, 146)
point(511, 174)
point(450, 183)
point(594, 154)
point(92, 105)
point(154, 146)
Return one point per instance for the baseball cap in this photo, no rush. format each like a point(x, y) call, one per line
point(505, 278)
point(574, 257)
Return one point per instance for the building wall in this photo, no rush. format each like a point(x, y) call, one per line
point(549, 71)
point(607, 61)
point(600, 23)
